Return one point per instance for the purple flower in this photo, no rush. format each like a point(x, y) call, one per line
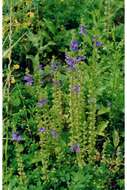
point(16, 137)
point(98, 44)
point(70, 61)
point(42, 102)
point(75, 148)
point(76, 88)
point(74, 45)
point(82, 29)
point(42, 129)
point(54, 133)
point(28, 79)
point(80, 58)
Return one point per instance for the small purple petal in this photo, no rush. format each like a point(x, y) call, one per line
point(74, 45)
point(70, 61)
point(42, 129)
point(16, 137)
point(29, 83)
point(82, 30)
point(28, 79)
point(75, 148)
point(99, 44)
point(42, 102)
point(80, 58)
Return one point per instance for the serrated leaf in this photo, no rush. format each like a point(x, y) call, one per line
point(101, 127)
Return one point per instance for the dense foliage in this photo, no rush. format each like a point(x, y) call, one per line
point(63, 107)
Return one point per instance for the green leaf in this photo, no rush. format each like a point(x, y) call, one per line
point(34, 39)
point(101, 127)
point(119, 31)
point(115, 138)
point(46, 46)
point(103, 110)
point(36, 158)
point(50, 26)
point(16, 101)
point(89, 40)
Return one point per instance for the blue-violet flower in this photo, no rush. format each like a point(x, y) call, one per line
point(74, 45)
point(16, 137)
point(42, 129)
point(75, 148)
point(82, 29)
point(28, 79)
point(42, 102)
point(98, 44)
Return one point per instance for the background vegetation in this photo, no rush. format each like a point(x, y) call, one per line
point(63, 94)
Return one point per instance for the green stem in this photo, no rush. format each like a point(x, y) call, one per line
point(8, 90)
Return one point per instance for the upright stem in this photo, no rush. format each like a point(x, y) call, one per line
point(8, 85)
point(92, 107)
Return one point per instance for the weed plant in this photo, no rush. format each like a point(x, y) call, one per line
point(63, 97)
